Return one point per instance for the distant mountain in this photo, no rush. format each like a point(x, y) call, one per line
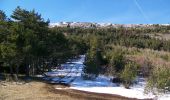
point(99, 25)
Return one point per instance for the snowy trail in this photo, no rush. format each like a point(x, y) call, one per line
point(69, 72)
point(101, 84)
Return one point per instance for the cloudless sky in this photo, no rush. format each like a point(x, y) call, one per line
point(113, 11)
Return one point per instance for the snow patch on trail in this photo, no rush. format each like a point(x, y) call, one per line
point(131, 93)
point(100, 81)
point(102, 84)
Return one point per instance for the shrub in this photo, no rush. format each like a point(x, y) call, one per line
point(119, 62)
point(159, 79)
point(129, 73)
point(116, 62)
point(91, 68)
point(146, 67)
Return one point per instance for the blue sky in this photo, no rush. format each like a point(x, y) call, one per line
point(114, 11)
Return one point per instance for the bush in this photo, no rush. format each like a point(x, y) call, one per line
point(119, 62)
point(116, 62)
point(94, 59)
point(91, 68)
point(129, 73)
point(159, 79)
point(146, 67)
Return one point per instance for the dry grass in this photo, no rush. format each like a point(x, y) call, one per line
point(29, 91)
point(165, 36)
point(141, 56)
point(154, 57)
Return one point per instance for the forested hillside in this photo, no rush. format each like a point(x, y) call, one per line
point(126, 53)
point(28, 46)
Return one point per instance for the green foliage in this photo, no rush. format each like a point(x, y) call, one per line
point(91, 68)
point(129, 73)
point(119, 67)
point(94, 65)
point(27, 41)
point(77, 45)
point(116, 61)
point(2, 16)
point(94, 57)
point(129, 37)
point(159, 79)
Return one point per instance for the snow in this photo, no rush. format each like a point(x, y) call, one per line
point(102, 84)
point(101, 81)
point(164, 97)
point(61, 88)
point(73, 70)
point(132, 93)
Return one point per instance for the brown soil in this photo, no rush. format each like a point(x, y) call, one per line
point(29, 91)
point(44, 91)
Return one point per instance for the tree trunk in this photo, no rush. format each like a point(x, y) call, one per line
point(11, 76)
point(17, 71)
point(44, 67)
point(11, 71)
point(28, 70)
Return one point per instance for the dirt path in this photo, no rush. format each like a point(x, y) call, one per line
point(82, 95)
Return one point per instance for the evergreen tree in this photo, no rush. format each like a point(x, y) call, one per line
point(3, 16)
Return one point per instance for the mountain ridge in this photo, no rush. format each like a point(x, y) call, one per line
point(100, 25)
